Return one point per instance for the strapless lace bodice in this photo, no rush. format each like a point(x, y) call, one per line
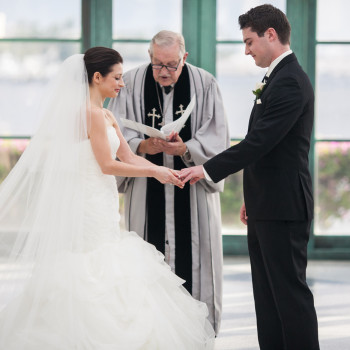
point(87, 152)
point(102, 201)
point(113, 140)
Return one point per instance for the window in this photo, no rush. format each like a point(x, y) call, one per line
point(332, 126)
point(37, 35)
point(32, 45)
point(136, 22)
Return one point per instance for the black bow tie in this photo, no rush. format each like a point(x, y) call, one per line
point(167, 89)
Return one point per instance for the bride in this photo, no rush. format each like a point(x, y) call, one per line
point(70, 279)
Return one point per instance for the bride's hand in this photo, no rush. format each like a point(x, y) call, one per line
point(167, 176)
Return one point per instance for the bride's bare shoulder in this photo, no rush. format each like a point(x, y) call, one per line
point(111, 117)
point(97, 116)
point(109, 113)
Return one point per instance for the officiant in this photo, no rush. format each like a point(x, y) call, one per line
point(183, 224)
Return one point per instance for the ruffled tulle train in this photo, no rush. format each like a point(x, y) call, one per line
point(123, 297)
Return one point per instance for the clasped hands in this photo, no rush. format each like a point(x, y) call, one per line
point(173, 145)
point(179, 178)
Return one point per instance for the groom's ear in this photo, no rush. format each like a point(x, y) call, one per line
point(271, 34)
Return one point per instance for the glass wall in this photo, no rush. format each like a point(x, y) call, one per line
point(332, 90)
point(332, 188)
point(132, 33)
point(40, 19)
point(35, 37)
point(332, 131)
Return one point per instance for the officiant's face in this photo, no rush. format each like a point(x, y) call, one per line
point(258, 47)
point(168, 56)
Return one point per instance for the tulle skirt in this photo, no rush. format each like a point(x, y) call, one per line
point(120, 295)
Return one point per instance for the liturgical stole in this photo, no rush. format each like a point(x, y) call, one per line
point(155, 190)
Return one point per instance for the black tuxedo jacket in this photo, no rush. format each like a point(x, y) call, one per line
point(274, 153)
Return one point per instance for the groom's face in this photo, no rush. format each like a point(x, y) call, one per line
point(258, 47)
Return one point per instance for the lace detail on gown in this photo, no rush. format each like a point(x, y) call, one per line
point(114, 291)
point(102, 203)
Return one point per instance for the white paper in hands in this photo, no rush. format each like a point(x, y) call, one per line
point(165, 130)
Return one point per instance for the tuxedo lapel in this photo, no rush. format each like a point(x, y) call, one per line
point(251, 116)
point(288, 59)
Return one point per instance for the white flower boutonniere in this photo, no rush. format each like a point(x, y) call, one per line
point(258, 90)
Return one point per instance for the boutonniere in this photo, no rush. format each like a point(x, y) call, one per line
point(257, 92)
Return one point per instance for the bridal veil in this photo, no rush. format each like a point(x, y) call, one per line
point(42, 199)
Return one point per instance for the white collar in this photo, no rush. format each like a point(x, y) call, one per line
point(277, 60)
point(172, 85)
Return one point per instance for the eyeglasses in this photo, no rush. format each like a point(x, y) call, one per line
point(169, 68)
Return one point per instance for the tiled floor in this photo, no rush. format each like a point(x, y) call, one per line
point(330, 284)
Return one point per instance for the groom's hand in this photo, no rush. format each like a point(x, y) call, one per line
point(243, 214)
point(193, 174)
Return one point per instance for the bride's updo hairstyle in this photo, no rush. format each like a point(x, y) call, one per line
point(100, 59)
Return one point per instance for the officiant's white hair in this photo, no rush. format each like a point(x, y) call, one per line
point(167, 38)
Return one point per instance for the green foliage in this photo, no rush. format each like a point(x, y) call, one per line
point(3, 172)
point(232, 199)
point(333, 185)
point(9, 155)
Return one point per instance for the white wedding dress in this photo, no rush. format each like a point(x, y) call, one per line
point(112, 291)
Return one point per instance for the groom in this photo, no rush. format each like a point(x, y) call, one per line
point(277, 184)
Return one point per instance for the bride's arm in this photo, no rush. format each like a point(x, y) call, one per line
point(101, 148)
point(125, 154)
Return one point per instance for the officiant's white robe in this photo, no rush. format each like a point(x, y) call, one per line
point(209, 137)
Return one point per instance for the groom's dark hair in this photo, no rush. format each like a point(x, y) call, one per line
point(100, 59)
point(260, 18)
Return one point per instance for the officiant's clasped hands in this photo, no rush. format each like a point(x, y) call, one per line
point(173, 146)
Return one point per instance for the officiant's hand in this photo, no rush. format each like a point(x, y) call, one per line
point(150, 146)
point(174, 146)
point(192, 174)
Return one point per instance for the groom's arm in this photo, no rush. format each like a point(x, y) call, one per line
point(283, 108)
